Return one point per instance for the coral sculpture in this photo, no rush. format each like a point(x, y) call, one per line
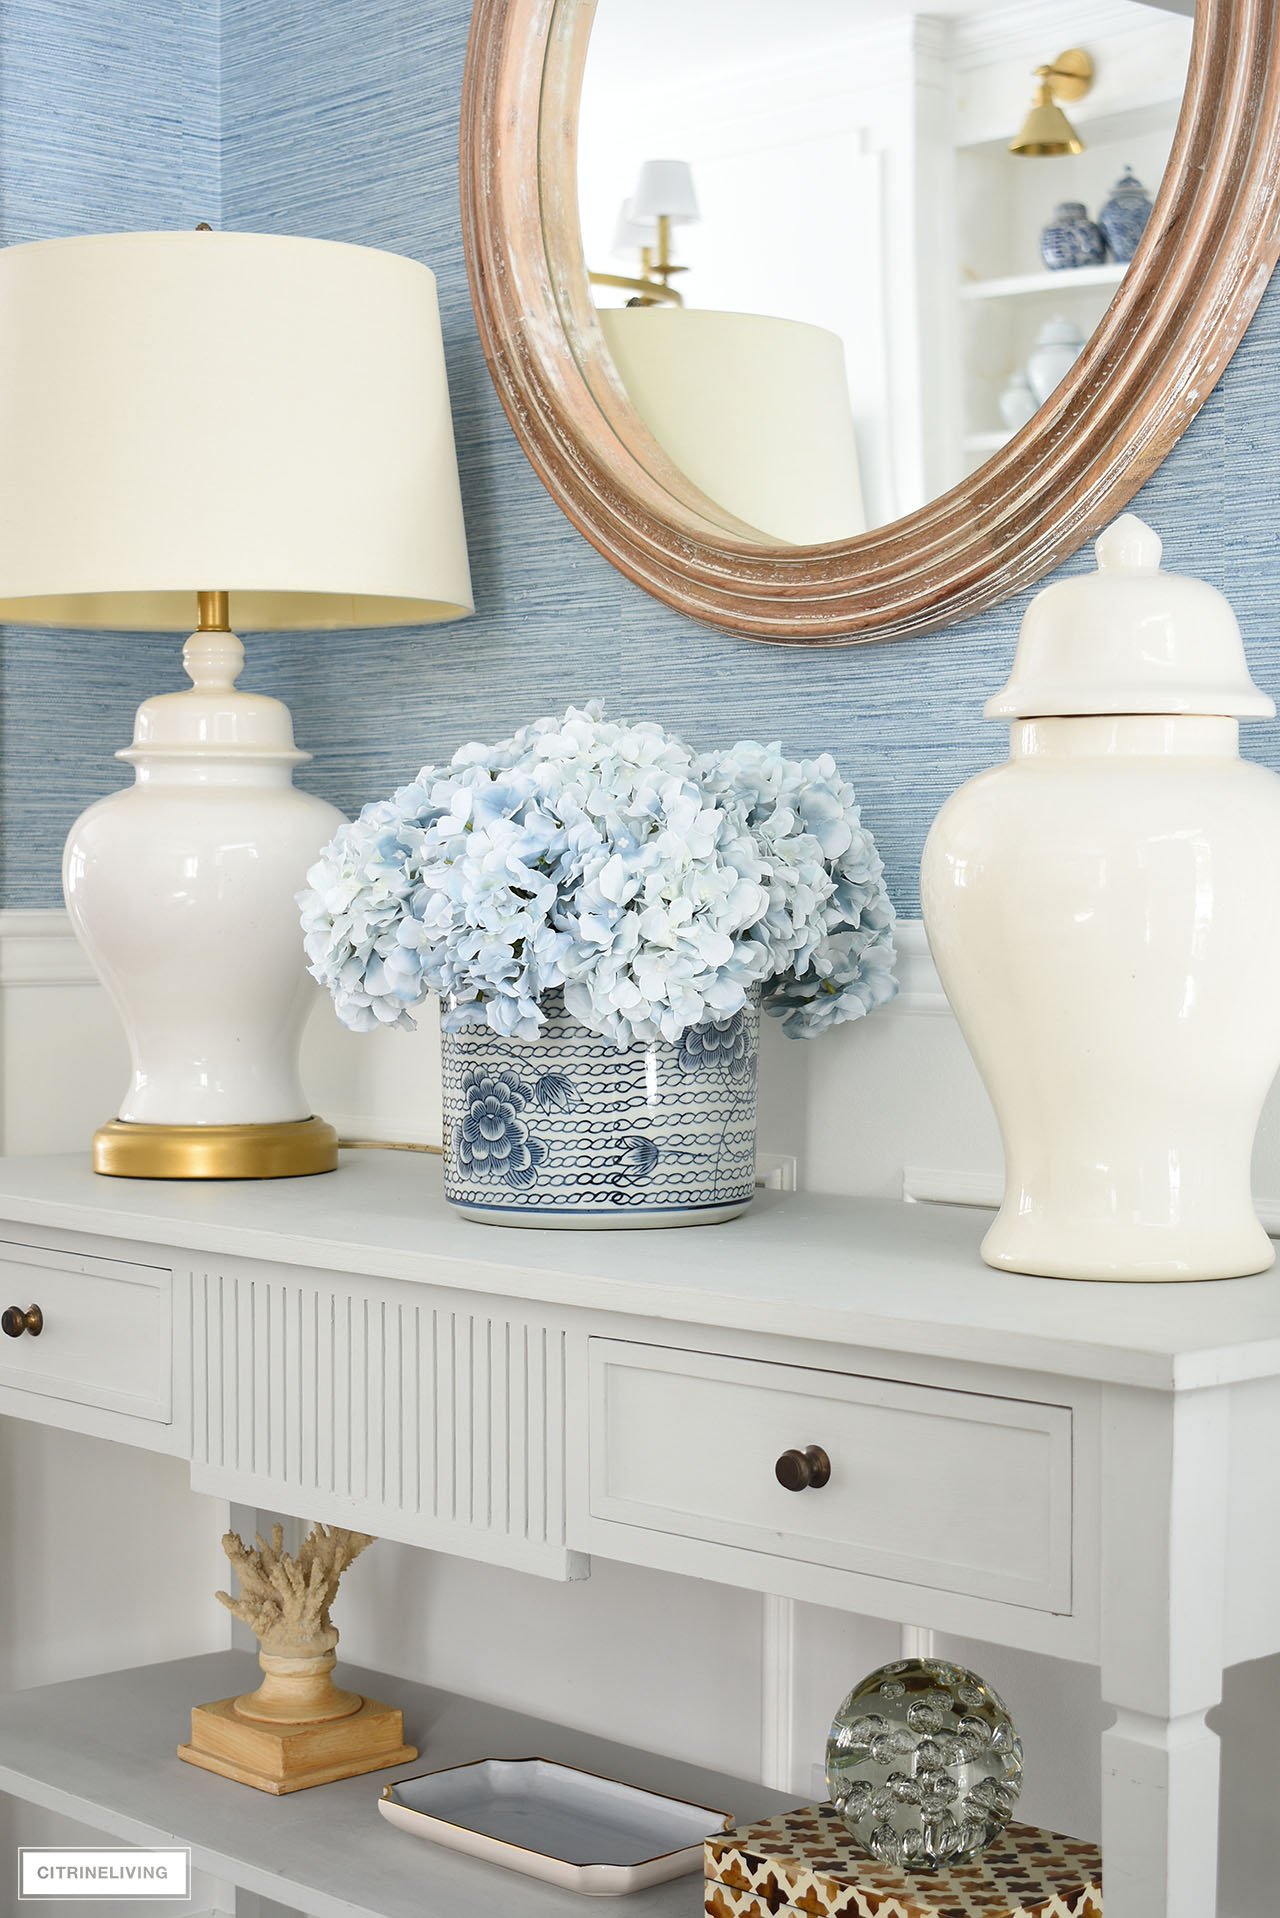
point(285, 1600)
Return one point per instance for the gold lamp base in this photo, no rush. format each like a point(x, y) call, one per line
point(123, 1149)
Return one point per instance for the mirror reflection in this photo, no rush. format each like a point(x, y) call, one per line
point(840, 252)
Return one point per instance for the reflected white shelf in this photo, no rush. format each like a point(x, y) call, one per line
point(986, 442)
point(1023, 285)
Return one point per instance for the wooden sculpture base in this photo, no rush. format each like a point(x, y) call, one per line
point(283, 1757)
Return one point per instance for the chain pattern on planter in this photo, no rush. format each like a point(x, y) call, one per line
point(924, 1764)
point(568, 1125)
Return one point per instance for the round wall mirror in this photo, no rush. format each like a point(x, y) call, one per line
point(840, 322)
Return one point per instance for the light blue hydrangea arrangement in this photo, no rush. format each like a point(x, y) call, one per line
point(654, 887)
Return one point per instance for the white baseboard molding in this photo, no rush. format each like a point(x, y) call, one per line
point(937, 1185)
point(930, 1185)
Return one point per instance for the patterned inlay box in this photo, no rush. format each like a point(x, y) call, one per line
point(807, 1864)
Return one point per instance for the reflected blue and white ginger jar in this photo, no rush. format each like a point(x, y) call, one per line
point(1124, 217)
point(567, 1131)
point(1072, 239)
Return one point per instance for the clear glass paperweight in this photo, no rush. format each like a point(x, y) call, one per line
point(923, 1764)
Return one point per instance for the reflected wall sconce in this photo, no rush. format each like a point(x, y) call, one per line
point(664, 198)
point(1046, 132)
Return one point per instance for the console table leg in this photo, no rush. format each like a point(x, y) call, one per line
point(1165, 1476)
point(1160, 1817)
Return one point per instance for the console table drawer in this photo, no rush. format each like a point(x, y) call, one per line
point(954, 1491)
point(106, 1337)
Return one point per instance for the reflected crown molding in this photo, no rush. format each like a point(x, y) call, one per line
point(1017, 31)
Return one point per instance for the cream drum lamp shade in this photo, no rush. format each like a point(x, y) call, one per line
point(262, 415)
point(754, 410)
point(195, 428)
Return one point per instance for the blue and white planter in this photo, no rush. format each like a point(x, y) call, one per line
point(1124, 217)
point(567, 1131)
point(1072, 239)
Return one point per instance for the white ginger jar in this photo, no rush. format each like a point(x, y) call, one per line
point(1104, 912)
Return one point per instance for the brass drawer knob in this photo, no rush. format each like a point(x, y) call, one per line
point(802, 1471)
point(15, 1322)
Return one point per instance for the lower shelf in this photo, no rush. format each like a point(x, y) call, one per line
point(103, 1750)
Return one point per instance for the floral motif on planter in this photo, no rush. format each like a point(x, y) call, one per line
point(490, 1140)
point(568, 1128)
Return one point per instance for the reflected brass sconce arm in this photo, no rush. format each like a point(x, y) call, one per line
point(651, 292)
point(653, 286)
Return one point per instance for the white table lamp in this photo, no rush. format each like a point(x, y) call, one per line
point(197, 425)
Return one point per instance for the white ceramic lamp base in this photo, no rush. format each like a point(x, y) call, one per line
point(181, 890)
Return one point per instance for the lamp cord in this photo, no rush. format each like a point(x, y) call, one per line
point(387, 1145)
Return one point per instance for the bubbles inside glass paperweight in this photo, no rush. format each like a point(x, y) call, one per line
point(923, 1764)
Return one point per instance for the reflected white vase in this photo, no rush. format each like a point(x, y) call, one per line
point(1104, 912)
point(1058, 346)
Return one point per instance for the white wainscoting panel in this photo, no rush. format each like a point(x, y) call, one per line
point(890, 1106)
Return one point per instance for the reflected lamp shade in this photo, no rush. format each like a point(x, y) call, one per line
point(665, 190)
point(195, 428)
point(754, 410)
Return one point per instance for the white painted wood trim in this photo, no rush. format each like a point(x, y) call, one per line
point(38, 948)
point(919, 988)
point(918, 1642)
point(1017, 30)
point(777, 1689)
point(936, 1185)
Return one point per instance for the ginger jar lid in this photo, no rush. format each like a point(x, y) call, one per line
point(1129, 638)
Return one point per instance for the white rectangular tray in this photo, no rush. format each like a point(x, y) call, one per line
point(554, 1822)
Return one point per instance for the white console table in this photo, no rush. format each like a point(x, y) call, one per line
point(1081, 1470)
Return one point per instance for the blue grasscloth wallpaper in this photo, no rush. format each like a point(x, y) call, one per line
point(338, 118)
point(108, 120)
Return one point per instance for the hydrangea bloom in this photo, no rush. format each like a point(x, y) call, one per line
point(828, 926)
point(653, 888)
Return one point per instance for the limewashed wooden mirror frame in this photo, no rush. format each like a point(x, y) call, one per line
point(1178, 316)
